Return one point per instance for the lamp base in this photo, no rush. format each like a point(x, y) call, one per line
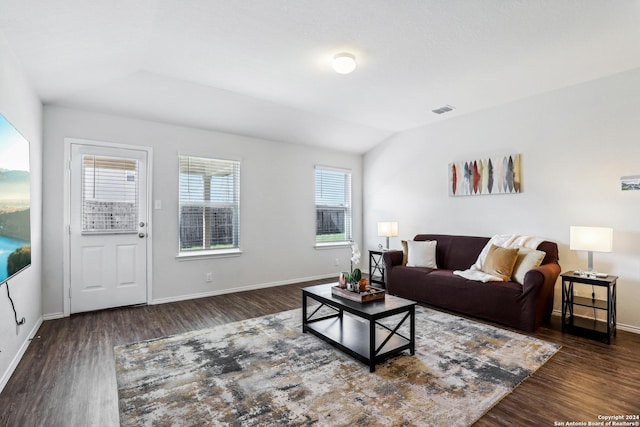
point(590, 261)
point(590, 274)
point(590, 270)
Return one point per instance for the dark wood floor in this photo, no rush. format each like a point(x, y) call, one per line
point(67, 376)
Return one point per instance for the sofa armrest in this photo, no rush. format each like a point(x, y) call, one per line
point(392, 259)
point(541, 282)
point(544, 276)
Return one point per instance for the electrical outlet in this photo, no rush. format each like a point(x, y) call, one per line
point(209, 277)
point(337, 262)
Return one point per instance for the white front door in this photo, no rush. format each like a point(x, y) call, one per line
point(108, 227)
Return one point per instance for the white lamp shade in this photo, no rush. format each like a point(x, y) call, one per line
point(387, 229)
point(596, 239)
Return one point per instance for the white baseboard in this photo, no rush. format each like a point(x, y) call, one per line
point(53, 316)
point(240, 289)
point(60, 315)
point(23, 348)
point(621, 326)
point(628, 328)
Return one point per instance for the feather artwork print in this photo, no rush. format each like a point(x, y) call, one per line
point(476, 177)
point(508, 176)
point(453, 178)
point(483, 176)
point(467, 179)
point(491, 175)
point(500, 174)
point(516, 173)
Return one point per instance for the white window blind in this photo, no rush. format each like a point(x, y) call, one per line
point(209, 204)
point(109, 194)
point(333, 205)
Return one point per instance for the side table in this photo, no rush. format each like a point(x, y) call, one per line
point(376, 268)
point(593, 326)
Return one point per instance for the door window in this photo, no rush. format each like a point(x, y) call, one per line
point(109, 195)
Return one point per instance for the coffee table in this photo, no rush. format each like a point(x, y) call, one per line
point(368, 341)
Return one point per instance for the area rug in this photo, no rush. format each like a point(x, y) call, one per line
point(266, 372)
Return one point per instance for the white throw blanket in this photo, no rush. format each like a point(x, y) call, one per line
point(503, 240)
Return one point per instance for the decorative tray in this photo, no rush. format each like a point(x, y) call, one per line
point(371, 294)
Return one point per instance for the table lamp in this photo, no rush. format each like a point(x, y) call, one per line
point(591, 239)
point(387, 229)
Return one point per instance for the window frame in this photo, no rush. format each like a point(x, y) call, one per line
point(348, 207)
point(235, 250)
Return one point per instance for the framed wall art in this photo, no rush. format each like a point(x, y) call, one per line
point(628, 183)
point(494, 175)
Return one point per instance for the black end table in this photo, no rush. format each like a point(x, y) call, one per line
point(376, 268)
point(586, 325)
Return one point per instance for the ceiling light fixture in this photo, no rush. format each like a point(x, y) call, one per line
point(344, 63)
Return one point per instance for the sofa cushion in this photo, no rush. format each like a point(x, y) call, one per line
point(455, 252)
point(500, 262)
point(405, 252)
point(421, 254)
point(527, 259)
point(499, 301)
point(551, 251)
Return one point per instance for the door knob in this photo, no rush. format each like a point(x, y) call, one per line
point(141, 224)
point(142, 235)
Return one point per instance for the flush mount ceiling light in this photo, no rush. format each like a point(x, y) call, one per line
point(344, 63)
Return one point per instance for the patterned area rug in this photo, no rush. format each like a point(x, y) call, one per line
point(266, 372)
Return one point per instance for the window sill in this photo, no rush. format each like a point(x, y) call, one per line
point(222, 253)
point(332, 245)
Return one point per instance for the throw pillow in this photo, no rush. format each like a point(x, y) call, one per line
point(421, 254)
point(500, 262)
point(527, 259)
point(405, 252)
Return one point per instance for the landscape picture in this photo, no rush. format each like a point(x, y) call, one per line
point(15, 223)
point(630, 183)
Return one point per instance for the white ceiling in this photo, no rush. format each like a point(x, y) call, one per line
point(262, 68)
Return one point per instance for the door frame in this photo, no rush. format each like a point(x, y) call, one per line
point(66, 237)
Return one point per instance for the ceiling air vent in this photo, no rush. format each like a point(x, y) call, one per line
point(444, 109)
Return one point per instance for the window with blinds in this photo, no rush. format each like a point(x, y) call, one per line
point(109, 195)
point(209, 204)
point(333, 205)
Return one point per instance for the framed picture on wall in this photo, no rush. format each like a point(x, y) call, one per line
point(494, 175)
point(628, 183)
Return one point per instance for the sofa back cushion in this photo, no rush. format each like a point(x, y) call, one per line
point(455, 252)
point(461, 252)
point(421, 253)
point(551, 251)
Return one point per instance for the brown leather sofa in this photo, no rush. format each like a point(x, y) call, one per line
point(524, 306)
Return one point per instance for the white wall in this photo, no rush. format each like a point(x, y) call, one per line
point(277, 206)
point(20, 106)
point(575, 143)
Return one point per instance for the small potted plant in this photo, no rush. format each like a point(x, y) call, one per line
point(354, 280)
